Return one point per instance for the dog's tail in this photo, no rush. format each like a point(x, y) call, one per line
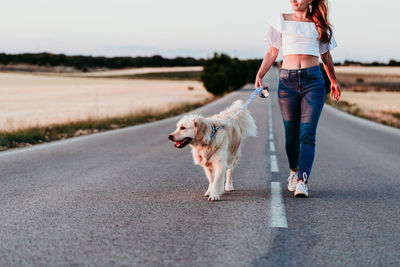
point(244, 119)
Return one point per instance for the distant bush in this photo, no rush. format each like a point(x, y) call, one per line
point(85, 63)
point(223, 74)
point(393, 62)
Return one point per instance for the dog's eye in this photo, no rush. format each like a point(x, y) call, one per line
point(183, 128)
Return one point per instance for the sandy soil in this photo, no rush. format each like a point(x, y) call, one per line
point(392, 71)
point(135, 71)
point(374, 101)
point(27, 100)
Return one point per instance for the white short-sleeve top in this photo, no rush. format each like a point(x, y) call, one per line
point(296, 37)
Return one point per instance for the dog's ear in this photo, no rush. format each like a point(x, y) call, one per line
point(202, 131)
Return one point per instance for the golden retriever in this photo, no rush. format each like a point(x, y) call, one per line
point(219, 155)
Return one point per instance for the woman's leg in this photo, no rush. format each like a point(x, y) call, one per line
point(289, 103)
point(312, 103)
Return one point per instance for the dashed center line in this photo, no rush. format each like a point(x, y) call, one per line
point(274, 162)
point(277, 207)
point(271, 146)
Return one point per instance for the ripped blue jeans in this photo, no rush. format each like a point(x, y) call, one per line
point(301, 97)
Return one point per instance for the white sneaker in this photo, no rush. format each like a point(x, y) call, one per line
point(292, 181)
point(301, 190)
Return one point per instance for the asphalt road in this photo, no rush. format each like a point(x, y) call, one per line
point(128, 197)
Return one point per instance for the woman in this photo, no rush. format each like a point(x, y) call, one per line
point(303, 36)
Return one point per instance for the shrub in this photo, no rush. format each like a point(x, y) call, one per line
point(216, 74)
point(222, 74)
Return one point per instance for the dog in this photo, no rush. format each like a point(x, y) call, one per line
point(218, 155)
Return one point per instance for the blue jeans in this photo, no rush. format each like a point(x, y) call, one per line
point(301, 97)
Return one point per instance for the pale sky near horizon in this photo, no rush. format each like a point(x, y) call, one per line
point(365, 30)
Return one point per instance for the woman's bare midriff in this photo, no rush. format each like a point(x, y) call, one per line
point(294, 62)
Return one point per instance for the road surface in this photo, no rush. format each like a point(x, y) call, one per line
point(128, 197)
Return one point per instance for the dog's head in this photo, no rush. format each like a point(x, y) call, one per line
point(190, 129)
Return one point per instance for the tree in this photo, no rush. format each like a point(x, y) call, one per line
point(222, 74)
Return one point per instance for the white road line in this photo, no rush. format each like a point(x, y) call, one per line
point(277, 208)
point(273, 159)
point(271, 136)
point(274, 164)
point(271, 146)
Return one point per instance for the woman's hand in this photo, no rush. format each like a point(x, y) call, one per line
point(335, 91)
point(258, 82)
point(330, 71)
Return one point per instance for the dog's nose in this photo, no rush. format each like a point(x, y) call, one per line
point(171, 137)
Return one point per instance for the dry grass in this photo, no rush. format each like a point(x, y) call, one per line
point(374, 101)
point(37, 135)
point(39, 108)
point(29, 100)
point(369, 78)
point(382, 71)
point(370, 92)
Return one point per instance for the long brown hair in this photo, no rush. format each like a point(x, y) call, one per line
point(319, 15)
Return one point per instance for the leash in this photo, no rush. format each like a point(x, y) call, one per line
point(251, 98)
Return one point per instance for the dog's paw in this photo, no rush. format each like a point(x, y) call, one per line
point(229, 188)
point(207, 193)
point(213, 197)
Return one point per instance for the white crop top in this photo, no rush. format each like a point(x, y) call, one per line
point(296, 37)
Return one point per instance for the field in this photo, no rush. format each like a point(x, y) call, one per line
point(29, 100)
point(371, 92)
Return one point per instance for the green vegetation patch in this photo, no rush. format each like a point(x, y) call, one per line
point(222, 74)
point(396, 115)
point(86, 63)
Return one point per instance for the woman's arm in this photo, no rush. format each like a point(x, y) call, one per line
point(328, 66)
point(266, 64)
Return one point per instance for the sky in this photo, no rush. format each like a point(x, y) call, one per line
point(364, 30)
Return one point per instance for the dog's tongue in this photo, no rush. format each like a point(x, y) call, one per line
point(177, 144)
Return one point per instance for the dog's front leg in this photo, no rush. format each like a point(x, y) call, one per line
point(229, 183)
point(217, 186)
point(210, 176)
